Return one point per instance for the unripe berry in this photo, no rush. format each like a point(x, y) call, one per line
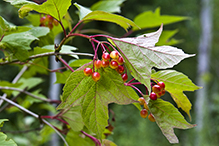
point(114, 55)
point(50, 25)
point(49, 18)
point(95, 76)
point(106, 56)
point(151, 118)
point(124, 77)
point(97, 64)
point(153, 96)
point(162, 85)
point(55, 22)
point(141, 100)
point(161, 93)
point(144, 113)
point(120, 60)
point(146, 106)
point(43, 19)
point(156, 89)
point(120, 69)
point(114, 64)
point(88, 71)
point(105, 63)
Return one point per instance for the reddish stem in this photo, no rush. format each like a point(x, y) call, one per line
point(63, 28)
point(65, 63)
point(54, 117)
point(79, 22)
point(2, 37)
point(131, 80)
point(95, 140)
point(134, 88)
point(136, 83)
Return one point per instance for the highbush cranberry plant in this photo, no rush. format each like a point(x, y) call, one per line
point(112, 78)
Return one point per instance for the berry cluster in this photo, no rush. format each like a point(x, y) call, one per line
point(158, 90)
point(144, 111)
point(48, 21)
point(113, 60)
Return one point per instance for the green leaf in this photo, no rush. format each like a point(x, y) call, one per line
point(107, 142)
point(110, 6)
point(19, 3)
point(165, 38)
point(74, 118)
point(82, 11)
point(175, 84)
point(149, 19)
point(140, 55)
point(108, 17)
point(79, 62)
point(2, 122)
point(77, 139)
point(168, 117)
point(19, 43)
point(8, 28)
point(61, 77)
point(56, 8)
point(95, 96)
point(5, 142)
point(65, 49)
point(9, 84)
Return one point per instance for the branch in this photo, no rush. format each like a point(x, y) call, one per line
point(14, 81)
point(95, 140)
point(46, 54)
point(34, 115)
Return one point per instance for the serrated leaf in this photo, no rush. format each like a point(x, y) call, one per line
point(19, 43)
point(77, 139)
point(95, 96)
point(19, 3)
point(168, 117)
point(56, 8)
point(82, 11)
point(140, 55)
point(61, 77)
point(108, 17)
point(155, 19)
point(5, 142)
point(110, 6)
point(165, 38)
point(74, 118)
point(175, 84)
point(65, 49)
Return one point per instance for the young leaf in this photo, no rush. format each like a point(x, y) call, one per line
point(175, 84)
point(107, 142)
point(141, 55)
point(165, 38)
point(110, 6)
point(19, 3)
point(5, 142)
point(168, 117)
point(154, 19)
point(2, 122)
point(95, 96)
point(82, 11)
point(104, 16)
point(74, 118)
point(56, 8)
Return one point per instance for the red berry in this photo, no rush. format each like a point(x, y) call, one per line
point(162, 85)
point(105, 63)
point(88, 71)
point(95, 76)
point(153, 96)
point(114, 55)
point(124, 77)
point(49, 18)
point(50, 25)
point(114, 64)
point(43, 19)
point(98, 64)
point(120, 69)
point(55, 22)
point(151, 118)
point(146, 106)
point(106, 56)
point(156, 89)
point(161, 93)
point(120, 60)
point(144, 113)
point(141, 100)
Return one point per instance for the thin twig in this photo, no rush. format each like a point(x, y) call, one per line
point(66, 64)
point(46, 54)
point(14, 81)
point(34, 115)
